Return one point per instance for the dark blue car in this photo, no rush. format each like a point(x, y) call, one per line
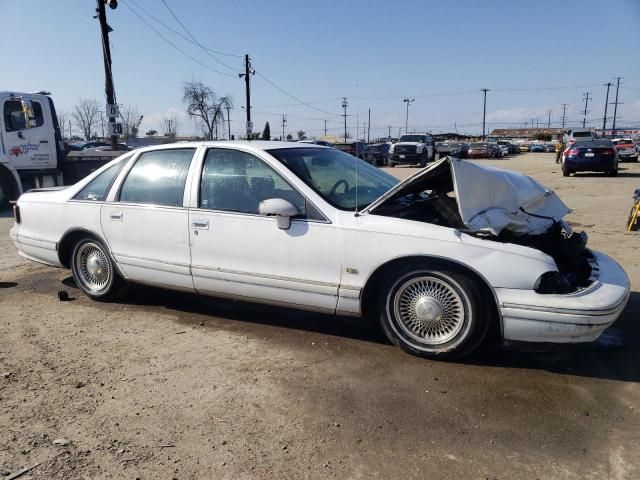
point(591, 156)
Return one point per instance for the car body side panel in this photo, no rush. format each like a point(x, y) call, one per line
point(371, 241)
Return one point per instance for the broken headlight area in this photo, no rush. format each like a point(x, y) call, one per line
point(569, 251)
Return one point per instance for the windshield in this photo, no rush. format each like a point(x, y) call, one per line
point(623, 141)
point(332, 174)
point(593, 144)
point(413, 138)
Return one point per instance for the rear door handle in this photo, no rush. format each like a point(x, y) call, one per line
point(116, 216)
point(201, 224)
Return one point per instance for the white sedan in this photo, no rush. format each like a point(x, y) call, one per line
point(439, 258)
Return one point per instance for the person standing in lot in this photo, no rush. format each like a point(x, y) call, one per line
point(559, 149)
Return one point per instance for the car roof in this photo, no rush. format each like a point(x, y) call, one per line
point(255, 145)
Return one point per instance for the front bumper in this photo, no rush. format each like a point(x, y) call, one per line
point(582, 316)
point(408, 158)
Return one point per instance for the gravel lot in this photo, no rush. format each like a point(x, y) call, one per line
point(167, 385)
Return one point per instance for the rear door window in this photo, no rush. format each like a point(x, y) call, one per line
point(158, 177)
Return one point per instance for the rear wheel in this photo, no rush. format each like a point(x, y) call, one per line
point(565, 171)
point(391, 164)
point(432, 312)
point(94, 271)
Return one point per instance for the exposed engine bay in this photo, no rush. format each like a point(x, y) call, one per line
point(495, 205)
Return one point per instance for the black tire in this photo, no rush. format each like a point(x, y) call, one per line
point(565, 171)
point(6, 193)
point(424, 160)
point(88, 253)
point(391, 164)
point(460, 325)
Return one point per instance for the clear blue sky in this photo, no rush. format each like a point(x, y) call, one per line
point(373, 52)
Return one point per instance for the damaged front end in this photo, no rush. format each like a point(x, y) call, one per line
point(495, 205)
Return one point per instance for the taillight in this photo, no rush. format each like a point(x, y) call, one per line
point(608, 151)
point(572, 141)
point(16, 213)
point(574, 151)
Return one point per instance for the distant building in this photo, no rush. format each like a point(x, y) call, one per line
point(527, 133)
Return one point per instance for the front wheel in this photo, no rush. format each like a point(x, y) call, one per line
point(94, 271)
point(433, 313)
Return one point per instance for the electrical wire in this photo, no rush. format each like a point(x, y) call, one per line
point(195, 40)
point(175, 32)
point(175, 46)
point(302, 102)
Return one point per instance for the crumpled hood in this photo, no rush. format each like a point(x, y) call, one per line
point(489, 199)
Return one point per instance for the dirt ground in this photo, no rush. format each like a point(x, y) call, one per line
point(168, 385)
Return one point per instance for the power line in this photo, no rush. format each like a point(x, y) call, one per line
point(176, 47)
point(586, 103)
point(194, 38)
point(606, 104)
point(302, 102)
point(615, 105)
point(564, 113)
point(175, 32)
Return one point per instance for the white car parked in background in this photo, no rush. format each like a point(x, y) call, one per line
point(314, 228)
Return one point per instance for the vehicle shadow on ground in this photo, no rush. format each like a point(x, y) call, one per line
point(614, 356)
point(622, 172)
point(194, 309)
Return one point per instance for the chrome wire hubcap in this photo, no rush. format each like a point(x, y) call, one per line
point(429, 310)
point(93, 267)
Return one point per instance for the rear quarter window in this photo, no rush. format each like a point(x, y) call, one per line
point(98, 188)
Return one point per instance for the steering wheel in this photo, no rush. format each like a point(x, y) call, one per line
point(337, 184)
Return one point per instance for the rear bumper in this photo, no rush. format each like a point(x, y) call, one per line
point(583, 166)
point(528, 316)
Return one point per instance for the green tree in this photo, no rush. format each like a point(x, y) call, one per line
point(266, 133)
point(543, 137)
point(151, 133)
point(289, 137)
point(302, 135)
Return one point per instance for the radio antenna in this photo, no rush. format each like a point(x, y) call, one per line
point(357, 161)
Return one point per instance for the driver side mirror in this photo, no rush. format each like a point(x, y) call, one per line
point(280, 208)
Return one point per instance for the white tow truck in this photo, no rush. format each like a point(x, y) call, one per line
point(32, 152)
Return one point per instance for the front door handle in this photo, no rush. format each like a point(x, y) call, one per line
point(201, 224)
point(116, 216)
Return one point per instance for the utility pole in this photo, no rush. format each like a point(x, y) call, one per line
point(108, 77)
point(387, 127)
point(228, 121)
point(537, 125)
point(248, 71)
point(484, 111)
point(408, 101)
point(284, 122)
point(325, 128)
point(606, 104)
point(345, 104)
point(615, 106)
point(369, 128)
point(548, 118)
point(586, 104)
point(564, 114)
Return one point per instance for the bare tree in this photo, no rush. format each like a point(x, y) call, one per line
point(169, 126)
point(64, 121)
point(86, 115)
point(132, 120)
point(204, 105)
